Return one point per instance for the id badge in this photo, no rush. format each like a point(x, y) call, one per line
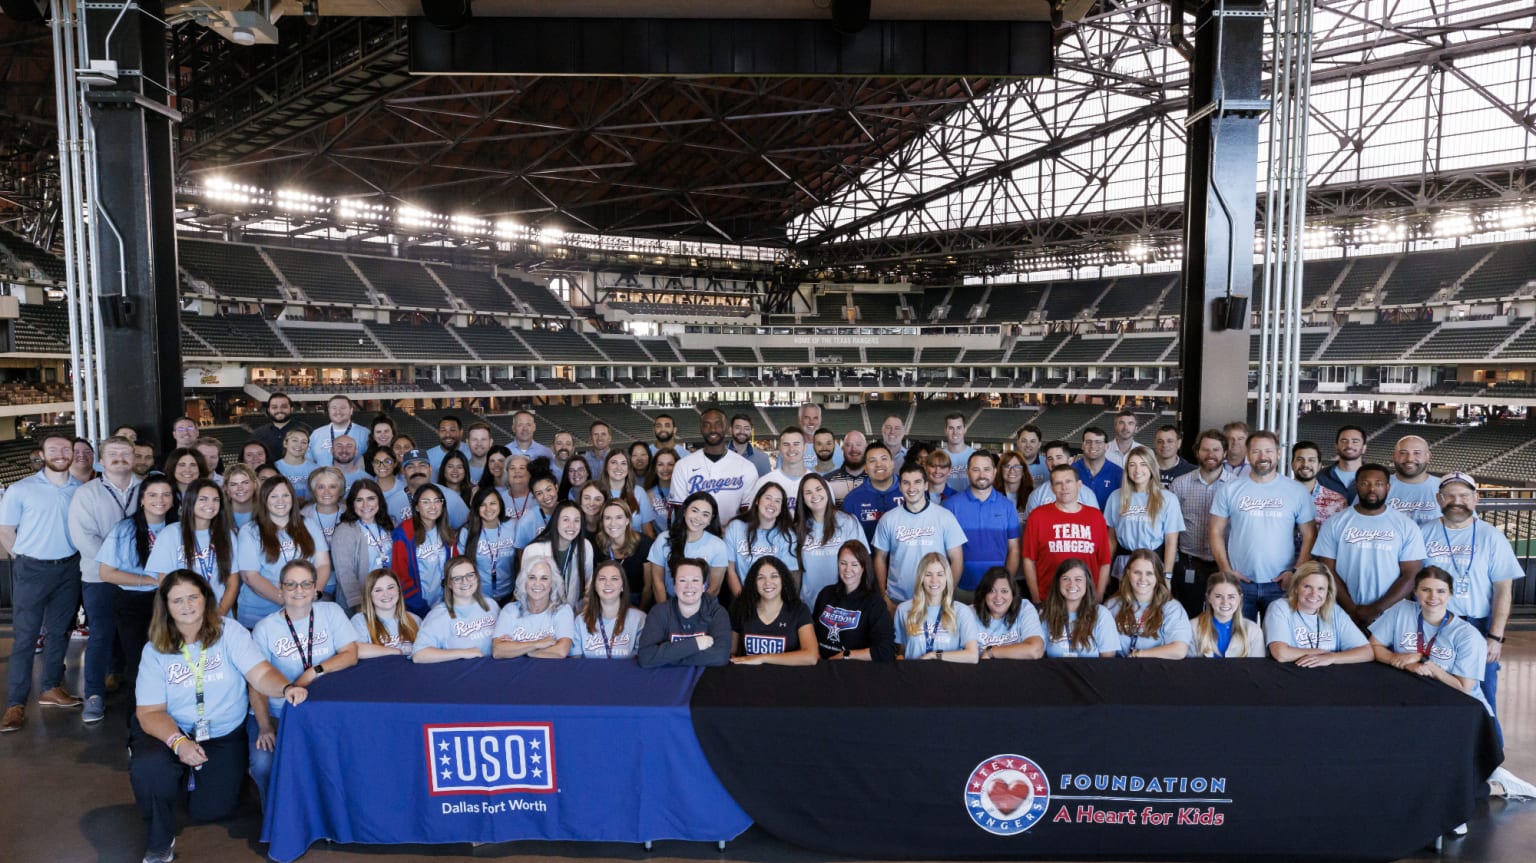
point(1189, 575)
point(200, 732)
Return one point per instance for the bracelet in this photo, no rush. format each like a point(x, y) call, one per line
point(288, 686)
point(175, 740)
point(1498, 638)
point(176, 750)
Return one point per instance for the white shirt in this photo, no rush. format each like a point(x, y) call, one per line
point(729, 481)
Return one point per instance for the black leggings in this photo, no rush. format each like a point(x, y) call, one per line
point(160, 780)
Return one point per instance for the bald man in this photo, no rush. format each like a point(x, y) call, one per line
point(1414, 488)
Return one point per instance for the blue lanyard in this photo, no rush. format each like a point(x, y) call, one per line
point(931, 634)
point(1426, 649)
point(1450, 551)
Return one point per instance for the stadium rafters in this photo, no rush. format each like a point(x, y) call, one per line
point(1417, 104)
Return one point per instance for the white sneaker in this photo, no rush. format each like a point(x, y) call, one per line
point(1459, 829)
point(1515, 788)
point(165, 856)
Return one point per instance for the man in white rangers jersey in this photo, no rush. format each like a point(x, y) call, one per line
point(716, 469)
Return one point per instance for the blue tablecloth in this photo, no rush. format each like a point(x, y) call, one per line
point(492, 751)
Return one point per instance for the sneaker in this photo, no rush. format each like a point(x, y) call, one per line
point(95, 710)
point(1515, 788)
point(165, 856)
point(1459, 829)
point(57, 697)
point(15, 717)
point(79, 633)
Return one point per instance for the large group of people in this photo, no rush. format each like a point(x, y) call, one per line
point(216, 593)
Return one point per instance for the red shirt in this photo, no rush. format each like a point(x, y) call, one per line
point(1051, 536)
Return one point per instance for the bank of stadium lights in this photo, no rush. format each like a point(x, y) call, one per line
point(360, 213)
point(295, 201)
point(228, 192)
point(1454, 225)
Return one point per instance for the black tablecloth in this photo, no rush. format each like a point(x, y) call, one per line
point(1109, 758)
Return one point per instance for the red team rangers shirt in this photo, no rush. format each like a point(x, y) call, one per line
point(1051, 536)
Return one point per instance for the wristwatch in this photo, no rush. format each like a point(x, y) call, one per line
point(939, 654)
point(1498, 638)
point(319, 670)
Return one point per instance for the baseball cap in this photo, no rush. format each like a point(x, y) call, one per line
point(1460, 477)
point(414, 455)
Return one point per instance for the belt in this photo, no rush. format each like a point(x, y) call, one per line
point(50, 562)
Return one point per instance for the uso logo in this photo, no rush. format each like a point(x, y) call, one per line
point(491, 758)
point(1007, 794)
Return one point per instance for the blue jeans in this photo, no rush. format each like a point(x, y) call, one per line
point(1257, 596)
point(45, 594)
point(101, 613)
point(261, 762)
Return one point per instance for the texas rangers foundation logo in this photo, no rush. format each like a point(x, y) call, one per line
point(1007, 794)
point(491, 758)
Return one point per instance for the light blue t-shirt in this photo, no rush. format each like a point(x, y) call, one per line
point(1415, 500)
point(391, 626)
point(278, 645)
point(1311, 631)
point(1175, 627)
point(604, 643)
point(767, 543)
point(241, 519)
point(906, 536)
point(1454, 645)
point(249, 558)
point(431, 557)
point(1368, 548)
point(554, 622)
point(167, 678)
point(959, 465)
point(473, 627)
point(328, 521)
point(529, 526)
point(1043, 495)
point(1261, 518)
point(1105, 638)
point(820, 555)
point(493, 557)
point(397, 502)
point(298, 474)
point(322, 439)
point(934, 635)
point(169, 555)
point(1476, 556)
point(1026, 625)
point(119, 551)
point(1136, 529)
point(708, 547)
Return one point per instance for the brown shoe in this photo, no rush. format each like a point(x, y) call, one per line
point(57, 697)
point(112, 683)
point(15, 717)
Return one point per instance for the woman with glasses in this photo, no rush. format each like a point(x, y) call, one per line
point(385, 466)
point(422, 546)
point(463, 624)
point(185, 749)
point(361, 543)
point(1014, 481)
point(303, 640)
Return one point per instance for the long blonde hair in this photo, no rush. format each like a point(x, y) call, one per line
point(1205, 623)
point(1125, 615)
point(1154, 490)
point(405, 622)
point(918, 615)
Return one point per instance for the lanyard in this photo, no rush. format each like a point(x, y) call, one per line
point(607, 643)
point(1140, 622)
point(517, 511)
point(380, 545)
point(310, 658)
point(493, 545)
point(1426, 649)
point(931, 634)
point(205, 557)
point(328, 531)
point(122, 502)
point(197, 678)
point(1461, 571)
point(1317, 631)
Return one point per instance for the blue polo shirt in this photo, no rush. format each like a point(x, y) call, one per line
point(1103, 483)
point(39, 510)
point(867, 504)
point(988, 525)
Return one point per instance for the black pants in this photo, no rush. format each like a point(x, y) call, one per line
point(160, 780)
point(134, 610)
point(1191, 594)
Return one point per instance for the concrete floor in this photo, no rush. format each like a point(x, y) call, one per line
point(64, 796)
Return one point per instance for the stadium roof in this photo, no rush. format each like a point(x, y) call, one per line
point(1419, 105)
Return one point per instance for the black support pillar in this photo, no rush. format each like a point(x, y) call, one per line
point(136, 193)
point(1225, 106)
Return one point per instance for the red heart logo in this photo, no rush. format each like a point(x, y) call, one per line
point(1008, 798)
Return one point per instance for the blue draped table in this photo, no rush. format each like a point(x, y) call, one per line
point(493, 751)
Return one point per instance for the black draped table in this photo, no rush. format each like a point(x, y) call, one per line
point(1107, 758)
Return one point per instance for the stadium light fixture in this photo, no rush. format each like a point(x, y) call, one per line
point(299, 202)
point(1453, 225)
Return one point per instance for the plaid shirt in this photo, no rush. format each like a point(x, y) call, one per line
point(1195, 496)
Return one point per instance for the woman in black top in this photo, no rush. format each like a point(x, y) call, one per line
point(617, 540)
point(769, 623)
point(850, 617)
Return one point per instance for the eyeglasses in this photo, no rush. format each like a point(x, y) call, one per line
point(1014, 467)
point(298, 585)
point(463, 579)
